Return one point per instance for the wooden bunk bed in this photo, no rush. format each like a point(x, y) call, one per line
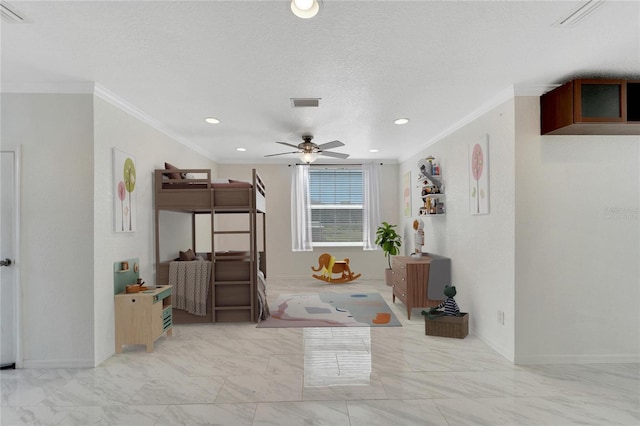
point(234, 284)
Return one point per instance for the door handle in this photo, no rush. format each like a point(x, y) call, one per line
point(5, 262)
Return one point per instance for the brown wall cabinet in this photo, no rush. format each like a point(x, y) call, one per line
point(592, 107)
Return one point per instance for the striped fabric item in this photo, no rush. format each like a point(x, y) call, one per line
point(450, 307)
point(263, 306)
point(190, 281)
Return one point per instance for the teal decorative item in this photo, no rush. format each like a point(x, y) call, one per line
point(125, 272)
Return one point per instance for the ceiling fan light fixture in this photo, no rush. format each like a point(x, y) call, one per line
point(305, 9)
point(308, 157)
point(401, 121)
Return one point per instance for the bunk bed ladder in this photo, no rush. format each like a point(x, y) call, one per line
point(234, 275)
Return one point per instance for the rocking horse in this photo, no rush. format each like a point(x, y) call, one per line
point(329, 266)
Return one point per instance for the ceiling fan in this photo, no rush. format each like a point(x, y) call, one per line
point(309, 150)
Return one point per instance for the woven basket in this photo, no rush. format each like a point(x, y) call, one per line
point(448, 326)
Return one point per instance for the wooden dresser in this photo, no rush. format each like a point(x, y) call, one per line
point(410, 277)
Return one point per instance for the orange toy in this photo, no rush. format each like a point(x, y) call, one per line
point(329, 266)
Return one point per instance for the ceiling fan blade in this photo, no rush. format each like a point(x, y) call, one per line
point(288, 144)
point(333, 154)
point(282, 153)
point(329, 145)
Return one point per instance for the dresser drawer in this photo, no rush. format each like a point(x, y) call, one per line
point(400, 282)
point(163, 294)
point(399, 276)
point(400, 293)
point(399, 266)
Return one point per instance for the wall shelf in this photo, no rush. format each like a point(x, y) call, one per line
point(432, 189)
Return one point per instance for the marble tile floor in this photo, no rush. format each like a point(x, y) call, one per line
point(237, 374)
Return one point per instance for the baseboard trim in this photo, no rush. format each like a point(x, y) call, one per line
point(58, 363)
point(577, 359)
point(501, 350)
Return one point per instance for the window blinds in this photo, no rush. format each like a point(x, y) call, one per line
point(336, 205)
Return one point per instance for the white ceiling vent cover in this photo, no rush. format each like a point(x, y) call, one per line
point(577, 15)
point(305, 102)
point(11, 15)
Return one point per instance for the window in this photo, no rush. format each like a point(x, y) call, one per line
point(336, 206)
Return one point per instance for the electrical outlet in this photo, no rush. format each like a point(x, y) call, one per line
point(501, 317)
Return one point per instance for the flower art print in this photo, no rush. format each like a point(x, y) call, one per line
point(406, 195)
point(124, 177)
point(479, 176)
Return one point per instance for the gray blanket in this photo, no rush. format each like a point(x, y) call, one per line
point(190, 281)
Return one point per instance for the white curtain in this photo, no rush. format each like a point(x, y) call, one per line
point(300, 209)
point(371, 204)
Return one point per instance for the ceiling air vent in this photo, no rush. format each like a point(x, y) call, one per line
point(11, 15)
point(305, 102)
point(583, 10)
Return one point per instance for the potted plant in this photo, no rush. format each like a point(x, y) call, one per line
point(388, 239)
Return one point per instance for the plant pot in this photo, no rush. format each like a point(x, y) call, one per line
point(388, 277)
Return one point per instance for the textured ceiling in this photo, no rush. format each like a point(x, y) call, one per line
point(435, 62)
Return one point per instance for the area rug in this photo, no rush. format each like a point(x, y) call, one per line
point(330, 310)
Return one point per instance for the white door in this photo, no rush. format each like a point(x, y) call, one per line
point(8, 292)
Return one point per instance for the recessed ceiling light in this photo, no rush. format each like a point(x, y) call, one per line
point(241, 149)
point(212, 120)
point(305, 8)
point(401, 121)
point(373, 150)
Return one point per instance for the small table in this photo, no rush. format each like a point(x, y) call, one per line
point(143, 317)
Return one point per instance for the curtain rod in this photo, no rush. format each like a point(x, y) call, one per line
point(328, 164)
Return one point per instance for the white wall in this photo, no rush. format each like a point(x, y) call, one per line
point(577, 245)
point(115, 127)
point(481, 247)
point(281, 261)
point(68, 245)
point(56, 258)
point(558, 252)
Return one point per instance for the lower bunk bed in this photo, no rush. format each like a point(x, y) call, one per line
point(226, 287)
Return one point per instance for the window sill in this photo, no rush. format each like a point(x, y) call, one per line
point(353, 244)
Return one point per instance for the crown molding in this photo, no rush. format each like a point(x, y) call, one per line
point(534, 89)
point(48, 87)
point(98, 91)
point(120, 103)
point(498, 99)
